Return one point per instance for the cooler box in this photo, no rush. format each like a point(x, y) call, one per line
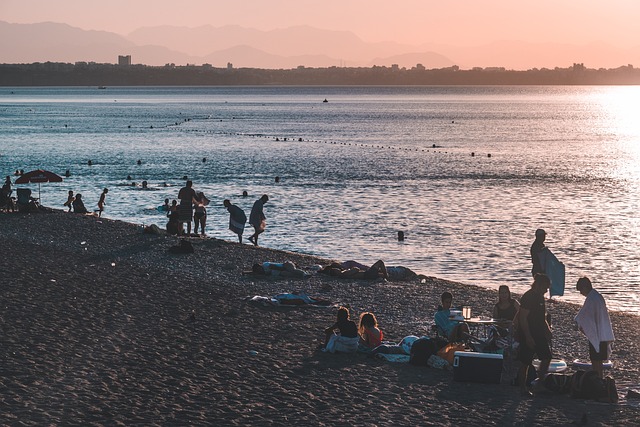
point(471, 366)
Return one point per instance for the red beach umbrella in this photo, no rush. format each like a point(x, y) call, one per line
point(38, 176)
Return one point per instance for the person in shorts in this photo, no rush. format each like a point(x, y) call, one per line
point(534, 332)
point(594, 322)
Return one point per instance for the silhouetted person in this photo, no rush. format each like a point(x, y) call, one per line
point(257, 219)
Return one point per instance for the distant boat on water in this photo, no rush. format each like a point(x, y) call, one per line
point(102, 87)
point(325, 100)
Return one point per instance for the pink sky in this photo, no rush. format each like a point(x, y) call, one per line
point(453, 22)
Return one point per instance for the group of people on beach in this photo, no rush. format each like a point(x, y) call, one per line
point(192, 207)
point(526, 321)
point(75, 203)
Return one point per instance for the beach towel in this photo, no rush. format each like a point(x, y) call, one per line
point(554, 269)
point(394, 358)
point(340, 344)
point(593, 319)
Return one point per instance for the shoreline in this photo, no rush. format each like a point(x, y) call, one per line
point(101, 324)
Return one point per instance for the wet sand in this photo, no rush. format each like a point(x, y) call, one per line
point(101, 325)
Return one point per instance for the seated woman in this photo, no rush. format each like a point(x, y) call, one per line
point(454, 330)
point(78, 205)
point(370, 335)
point(342, 336)
point(506, 307)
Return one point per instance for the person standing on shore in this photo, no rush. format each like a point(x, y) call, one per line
point(188, 198)
point(200, 214)
point(536, 250)
point(257, 218)
point(102, 202)
point(534, 332)
point(237, 218)
point(594, 322)
point(6, 187)
point(70, 199)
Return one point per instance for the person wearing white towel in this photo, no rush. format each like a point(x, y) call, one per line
point(594, 322)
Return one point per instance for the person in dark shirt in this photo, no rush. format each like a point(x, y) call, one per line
point(536, 248)
point(237, 218)
point(342, 336)
point(506, 308)
point(533, 330)
point(78, 205)
point(257, 218)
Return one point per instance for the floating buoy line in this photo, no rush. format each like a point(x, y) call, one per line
point(177, 126)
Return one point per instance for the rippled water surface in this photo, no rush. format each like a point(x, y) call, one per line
point(357, 169)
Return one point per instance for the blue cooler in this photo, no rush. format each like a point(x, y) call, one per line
point(476, 367)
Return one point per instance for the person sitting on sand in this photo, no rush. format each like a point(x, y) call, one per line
point(506, 308)
point(454, 330)
point(342, 336)
point(78, 205)
point(70, 199)
point(370, 335)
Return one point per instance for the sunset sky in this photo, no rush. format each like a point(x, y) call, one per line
point(453, 22)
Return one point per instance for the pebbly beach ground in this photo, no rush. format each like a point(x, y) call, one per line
point(101, 325)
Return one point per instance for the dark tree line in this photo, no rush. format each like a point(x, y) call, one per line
point(90, 74)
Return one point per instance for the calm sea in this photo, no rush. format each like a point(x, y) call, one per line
point(467, 173)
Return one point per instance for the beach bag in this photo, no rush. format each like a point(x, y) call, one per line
point(421, 350)
point(587, 385)
point(447, 352)
point(558, 383)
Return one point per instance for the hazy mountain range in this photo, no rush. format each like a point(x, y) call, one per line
point(283, 48)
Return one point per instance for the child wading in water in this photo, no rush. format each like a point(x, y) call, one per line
point(370, 335)
point(342, 336)
point(102, 201)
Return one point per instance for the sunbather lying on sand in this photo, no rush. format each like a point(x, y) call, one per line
point(286, 269)
point(355, 270)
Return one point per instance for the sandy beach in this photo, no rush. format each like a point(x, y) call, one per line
point(102, 325)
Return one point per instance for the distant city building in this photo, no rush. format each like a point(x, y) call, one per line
point(124, 61)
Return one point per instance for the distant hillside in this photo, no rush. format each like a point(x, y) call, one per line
point(282, 49)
